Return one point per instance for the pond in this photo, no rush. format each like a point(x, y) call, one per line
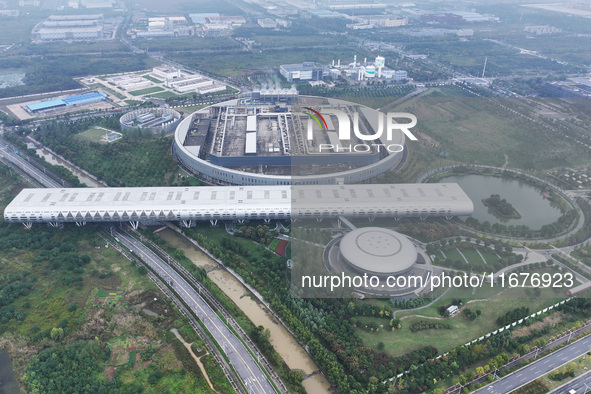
point(535, 210)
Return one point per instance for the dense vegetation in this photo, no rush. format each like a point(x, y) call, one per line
point(55, 73)
point(514, 315)
point(326, 326)
point(71, 368)
point(501, 207)
point(134, 160)
point(428, 325)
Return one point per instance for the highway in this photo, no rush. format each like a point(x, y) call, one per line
point(538, 368)
point(10, 155)
point(243, 362)
point(580, 385)
point(253, 378)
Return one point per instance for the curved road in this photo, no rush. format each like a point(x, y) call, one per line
point(243, 362)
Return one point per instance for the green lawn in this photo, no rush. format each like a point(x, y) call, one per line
point(94, 135)
point(489, 256)
point(403, 340)
point(164, 95)
point(151, 78)
point(474, 258)
point(482, 131)
point(190, 109)
point(133, 103)
point(274, 244)
point(146, 91)
point(454, 255)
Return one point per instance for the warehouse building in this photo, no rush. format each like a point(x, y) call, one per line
point(307, 71)
point(69, 27)
point(66, 102)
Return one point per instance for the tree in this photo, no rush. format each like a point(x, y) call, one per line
point(57, 333)
point(295, 377)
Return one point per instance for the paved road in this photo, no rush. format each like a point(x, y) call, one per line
point(538, 368)
point(33, 171)
point(243, 362)
point(580, 385)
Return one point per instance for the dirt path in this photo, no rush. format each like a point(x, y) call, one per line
point(506, 162)
point(197, 360)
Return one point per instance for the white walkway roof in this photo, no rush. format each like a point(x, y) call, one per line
point(237, 202)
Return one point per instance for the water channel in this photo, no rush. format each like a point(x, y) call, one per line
point(288, 348)
point(82, 177)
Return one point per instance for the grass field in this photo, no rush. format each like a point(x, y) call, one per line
point(489, 256)
point(164, 95)
point(133, 102)
point(482, 131)
point(231, 63)
point(147, 91)
point(274, 244)
point(151, 78)
point(453, 255)
point(463, 330)
point(190, 109)
point(94, 135)
point(474, 258)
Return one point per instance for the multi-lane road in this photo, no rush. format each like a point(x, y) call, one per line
point(40, 176)
point(247, 368)
point(538, 368)
point(580, 385)
point(241, 359)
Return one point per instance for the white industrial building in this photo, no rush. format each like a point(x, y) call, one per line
point(189, 84)
point(186, 204)
point(69, 27)
point(367, 70)
point(307, 71)
point(267, 23)
point(72, 33)
point(131, 82)
point(166, 73)
point(215, 87)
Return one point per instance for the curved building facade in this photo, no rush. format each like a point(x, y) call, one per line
point(274, 141)
point(154, 119)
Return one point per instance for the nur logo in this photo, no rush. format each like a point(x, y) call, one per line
point(344, 129)
point(317, 116)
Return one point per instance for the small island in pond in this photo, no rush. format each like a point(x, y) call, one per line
point(500, 207)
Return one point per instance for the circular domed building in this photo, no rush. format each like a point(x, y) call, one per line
point(377, 251)
point(388, 256)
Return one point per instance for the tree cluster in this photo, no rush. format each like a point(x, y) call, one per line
point(514, 315)
point(421, 325)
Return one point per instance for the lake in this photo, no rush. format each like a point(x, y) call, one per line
point(534, 209)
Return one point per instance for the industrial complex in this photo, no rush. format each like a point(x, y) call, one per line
point(271, 139)
point(74, 28)
point(355, 71)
